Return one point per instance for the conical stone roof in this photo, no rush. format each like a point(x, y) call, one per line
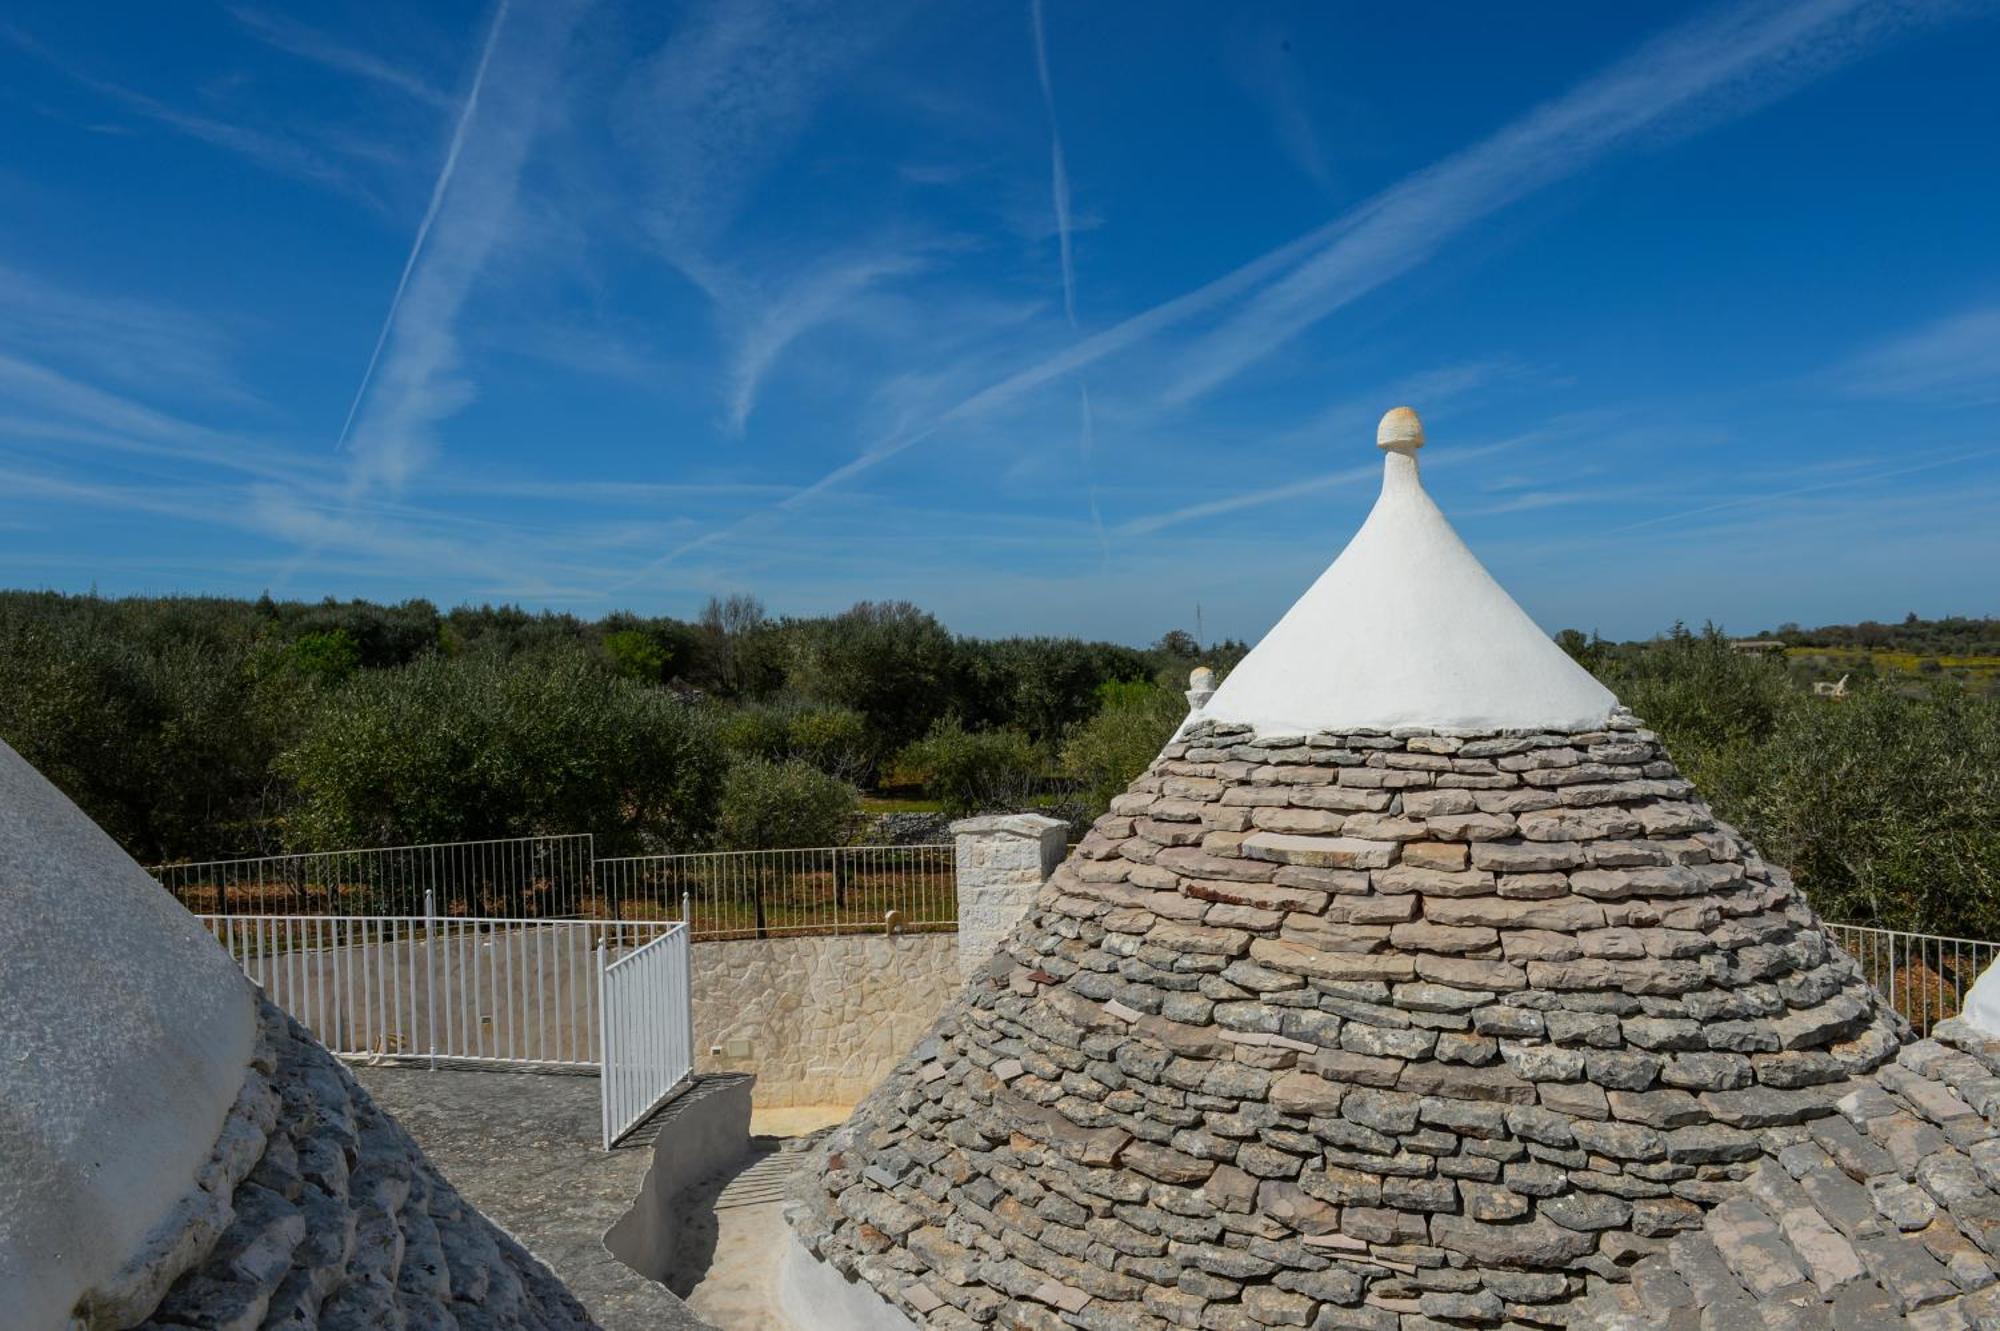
point(176, 1153)
point(1371, 1024)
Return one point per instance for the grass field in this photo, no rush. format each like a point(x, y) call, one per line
point(1832, 662)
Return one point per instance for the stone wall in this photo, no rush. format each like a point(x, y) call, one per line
point(1001, 861)
point(818, 1020)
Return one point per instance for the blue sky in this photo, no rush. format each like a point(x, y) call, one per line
point(1052, 318)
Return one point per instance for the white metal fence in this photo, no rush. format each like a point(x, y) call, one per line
point(431, 988)
point(788, 893)
point(647, 1042)
point(512, 878)
point(1925, 976)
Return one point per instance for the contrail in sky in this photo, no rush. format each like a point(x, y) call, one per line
point(1058, 172)
point(1716, 67)
point(438, 190)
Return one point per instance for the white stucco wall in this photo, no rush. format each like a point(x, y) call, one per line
point(1982, 1003)
point(124, 1037)
point(1407, 628)
point(812, 1296)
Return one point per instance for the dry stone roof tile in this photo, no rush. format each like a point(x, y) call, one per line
point(338, 1222)
point(1285, 1078)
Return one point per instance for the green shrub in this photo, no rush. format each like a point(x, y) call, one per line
point(1885, 806)
point(328, 657)
point(834, 740)
point(887, 660)
point(969, 771)
point(1133, 723)
point(463, 748)
point(635, 655)
point(782, 806)
point(1704, 696)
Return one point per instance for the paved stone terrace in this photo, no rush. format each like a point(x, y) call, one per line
point(524, 1148)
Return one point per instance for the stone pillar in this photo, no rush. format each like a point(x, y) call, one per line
point(1003, 860)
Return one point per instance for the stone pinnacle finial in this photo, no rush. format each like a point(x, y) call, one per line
point(1201, 687)
point(1400, 432)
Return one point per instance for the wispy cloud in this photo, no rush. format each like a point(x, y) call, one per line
point(415, 379)
point(272, 149)
point(125, 340)
point(1433, 391)
point(389, 451)
point(56, 406)
point(1086, 440)
point(1269, 72)
point(308, 43)
point(706, 115)
point(1309, 485)
point(1868, 476)
point(1725, 63)
point(820, 297)
point(1953, 362)
point(714, 107)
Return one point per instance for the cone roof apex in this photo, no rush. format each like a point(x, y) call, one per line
point(1408, 628)
point(1400, 431)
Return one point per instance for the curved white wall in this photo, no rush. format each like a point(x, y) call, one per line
point(124, 1037)
point(812, 1296)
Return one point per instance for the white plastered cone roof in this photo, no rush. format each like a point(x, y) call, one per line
point(125, 1035)
point(1407, 628)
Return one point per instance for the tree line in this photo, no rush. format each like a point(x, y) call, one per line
point(195, 728)
point(198, 727)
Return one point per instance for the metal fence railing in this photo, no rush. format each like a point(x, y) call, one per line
point(648, 1032)
point(514, 878)
point(1924, 976)
point(788, 893)
point(429, 988)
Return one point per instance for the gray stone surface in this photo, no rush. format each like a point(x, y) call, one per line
point(524, 1148)
point(342, 1223)
point(1518, 1037)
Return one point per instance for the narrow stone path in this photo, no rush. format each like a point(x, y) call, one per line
point(524, 1148)
point(733, 1235)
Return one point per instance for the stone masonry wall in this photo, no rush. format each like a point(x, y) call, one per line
point(1375, 1031)
point(826, 1018)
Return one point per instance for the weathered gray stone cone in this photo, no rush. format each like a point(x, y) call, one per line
point(177, 1153)
point(342, 1224)
point(1412, 1029)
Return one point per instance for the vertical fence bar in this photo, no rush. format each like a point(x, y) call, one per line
point(430, 972)
point(608, 1077)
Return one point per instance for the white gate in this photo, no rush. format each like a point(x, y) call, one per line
point(648, 1029)
point(584, 995)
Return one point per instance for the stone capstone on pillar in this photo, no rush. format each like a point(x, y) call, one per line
point(1002, 861)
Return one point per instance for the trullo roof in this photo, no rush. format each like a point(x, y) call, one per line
point(1407, 628)
point(175, 1153)
point(1400, 996)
